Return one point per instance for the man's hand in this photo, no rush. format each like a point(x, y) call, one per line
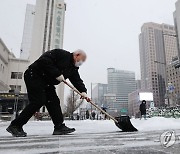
point(84, 96)
point(60, 78)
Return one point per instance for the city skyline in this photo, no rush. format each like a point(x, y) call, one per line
point(122, 52)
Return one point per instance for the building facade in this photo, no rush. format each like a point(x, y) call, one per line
point(121, 83)
point(48, 27)
point(138, 84)
point(177, 24)
point(48, 31)
point(27, 32)
point(157, 45)
point(4, 57)
point(110, 102)
point(11, 71)
point(16, 69)
point(173, 77)
point(98, 93)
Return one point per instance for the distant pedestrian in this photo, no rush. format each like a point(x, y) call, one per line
point(142, 109)
point(77, 116)
point(104, 109)
point(93, 114)
point(87, 114)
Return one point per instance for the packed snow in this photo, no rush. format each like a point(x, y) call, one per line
point(96, 126)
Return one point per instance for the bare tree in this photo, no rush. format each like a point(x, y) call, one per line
point(72, 104)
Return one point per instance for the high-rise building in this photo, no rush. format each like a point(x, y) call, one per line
point(173, 78)
point(48, 27)
point(177, 24)
point(98, 93)
point(48, 31)
point(27, 32)
point(121, 83)
point(158, 45)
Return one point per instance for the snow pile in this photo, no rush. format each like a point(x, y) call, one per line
point(156, 123)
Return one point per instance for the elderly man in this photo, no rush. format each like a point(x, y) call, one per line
point(50, 69)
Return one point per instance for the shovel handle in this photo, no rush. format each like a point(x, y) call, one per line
point(74, 89)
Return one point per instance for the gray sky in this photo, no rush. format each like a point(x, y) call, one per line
point(106, 29)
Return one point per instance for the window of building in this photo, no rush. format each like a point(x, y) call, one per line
point(16, 75)
point(14, 87)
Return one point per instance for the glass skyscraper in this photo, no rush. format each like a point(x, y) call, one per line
point(121, 83)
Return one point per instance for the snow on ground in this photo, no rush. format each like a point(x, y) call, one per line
point(91, 137)
point(156, 123)
point(97, 126)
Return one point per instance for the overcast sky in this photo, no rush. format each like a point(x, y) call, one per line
point(106, 29)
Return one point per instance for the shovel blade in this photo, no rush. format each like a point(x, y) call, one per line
point(125, 124)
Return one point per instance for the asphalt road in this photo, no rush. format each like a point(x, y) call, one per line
point(89, 143)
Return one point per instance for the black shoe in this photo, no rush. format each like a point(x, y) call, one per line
point(16, 131)
point(62, 130)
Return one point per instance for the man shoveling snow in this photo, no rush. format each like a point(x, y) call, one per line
point(50, 69)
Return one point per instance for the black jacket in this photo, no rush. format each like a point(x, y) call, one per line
point(142, 108)
point(55, 63)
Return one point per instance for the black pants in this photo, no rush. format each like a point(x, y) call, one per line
point(39, 94)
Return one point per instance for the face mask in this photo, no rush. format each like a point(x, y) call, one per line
point(78, 63)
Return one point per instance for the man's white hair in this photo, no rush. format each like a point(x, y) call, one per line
point(79, 51)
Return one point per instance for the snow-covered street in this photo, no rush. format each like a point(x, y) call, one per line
point(92, 137)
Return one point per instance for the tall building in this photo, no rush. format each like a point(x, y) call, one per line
point(121, 83)
point(177, 24)
point(48, 31)
point(48, 27)
point(173, 77)
point(157, 45)
point(27, 32)
point(98, 93)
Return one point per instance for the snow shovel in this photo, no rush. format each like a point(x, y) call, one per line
point(122, 122)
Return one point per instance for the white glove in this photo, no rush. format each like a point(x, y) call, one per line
point(85, 96)
point(60, 78)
